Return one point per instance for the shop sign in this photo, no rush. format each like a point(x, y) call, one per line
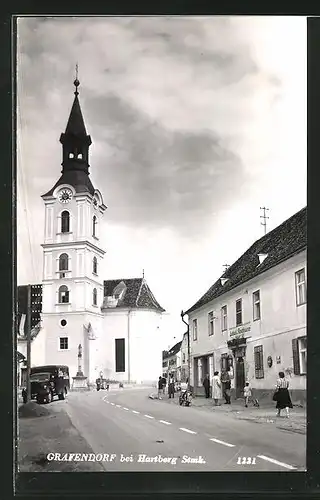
point(239, 331)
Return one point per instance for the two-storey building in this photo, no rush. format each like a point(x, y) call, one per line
point(253, 318)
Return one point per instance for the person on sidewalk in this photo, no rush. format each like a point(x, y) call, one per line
point(206, 385)
point(282, 395)
point(171, 386)
point(159, 387)
point(164, 383)
point(247, 394)
point(226, 386)
point(216, 389)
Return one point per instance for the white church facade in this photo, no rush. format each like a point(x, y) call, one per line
point(116, 322)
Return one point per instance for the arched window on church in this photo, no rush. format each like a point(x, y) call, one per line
point(94, 226)
point(65, 222)
point(64, 296)
point(94, 297)
point(63, 262)
point(95, 265)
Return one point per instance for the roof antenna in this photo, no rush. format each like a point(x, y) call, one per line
point(76, 83)
point(142, 273)
point(264, 217)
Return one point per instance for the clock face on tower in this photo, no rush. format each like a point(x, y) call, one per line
point(65, 195)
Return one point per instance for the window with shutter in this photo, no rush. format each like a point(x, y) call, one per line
point(258, 361)
point(295, 354)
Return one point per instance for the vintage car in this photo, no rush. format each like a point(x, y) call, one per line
point(47, 382)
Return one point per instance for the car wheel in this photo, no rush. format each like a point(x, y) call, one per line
point(40, 400)
point(62, 396)
point(49, 397)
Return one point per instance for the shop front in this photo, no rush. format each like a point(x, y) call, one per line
point(238, 348)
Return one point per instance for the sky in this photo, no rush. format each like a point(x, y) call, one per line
point(196, 123)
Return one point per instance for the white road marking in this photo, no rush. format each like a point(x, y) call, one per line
point(272, 460)
point(135, 411)
point(222, 442)
point(165, 422)
point(148, 416)
point(187, 430)
point(125, 408)
point(118, 406)
point(112, 404)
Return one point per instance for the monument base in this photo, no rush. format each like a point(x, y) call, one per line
point(80, 383)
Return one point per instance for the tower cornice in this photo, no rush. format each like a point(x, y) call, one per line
point(73, 244)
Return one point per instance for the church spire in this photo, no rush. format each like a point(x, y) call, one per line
point(75, 141)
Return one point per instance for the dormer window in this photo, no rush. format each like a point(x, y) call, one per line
point(71, 155)
point(223, 281)
point(80, 156)
point(262, 257)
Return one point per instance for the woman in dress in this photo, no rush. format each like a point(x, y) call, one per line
point(282, 395)
point(216, 388)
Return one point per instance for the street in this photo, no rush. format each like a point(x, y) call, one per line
point(155, 435)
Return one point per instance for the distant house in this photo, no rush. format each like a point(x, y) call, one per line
point(171, 361)
point(184, 358)
point(253, 318)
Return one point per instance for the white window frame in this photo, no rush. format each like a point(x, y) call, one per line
point(195, 330)
point(256, 305)
point(210, 323)
point(237, 312)
point(224, 318)
point(301, 285)
point(300, 340)
point(59, 344)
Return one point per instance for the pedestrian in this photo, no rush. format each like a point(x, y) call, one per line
point(171, 386)
point(159, 387)
point(282, 396)
point(164, 383)
point(247, 394)
point(206, 385)
point(226, 386)
point(216, 389)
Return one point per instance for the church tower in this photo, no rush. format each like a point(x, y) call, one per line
point(72, 253)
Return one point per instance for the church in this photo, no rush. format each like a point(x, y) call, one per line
point(117, 323)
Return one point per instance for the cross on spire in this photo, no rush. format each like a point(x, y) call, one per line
point(76, 82)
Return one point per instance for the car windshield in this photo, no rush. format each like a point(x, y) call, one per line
point(40, 377)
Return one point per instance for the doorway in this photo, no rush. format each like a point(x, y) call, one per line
point(240, 376)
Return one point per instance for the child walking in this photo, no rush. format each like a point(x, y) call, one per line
point(247, 394)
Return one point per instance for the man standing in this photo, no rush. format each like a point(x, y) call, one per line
point(206, 385)
point(171, 386)
point(226, 385)
point(159, 387)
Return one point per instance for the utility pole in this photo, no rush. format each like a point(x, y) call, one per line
point(188, 335)
point(28, 343)
point(264, 217)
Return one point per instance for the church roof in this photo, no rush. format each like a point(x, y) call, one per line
point(136, 294)
point(76, 178)
point(75, 125)
point(278, 245)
